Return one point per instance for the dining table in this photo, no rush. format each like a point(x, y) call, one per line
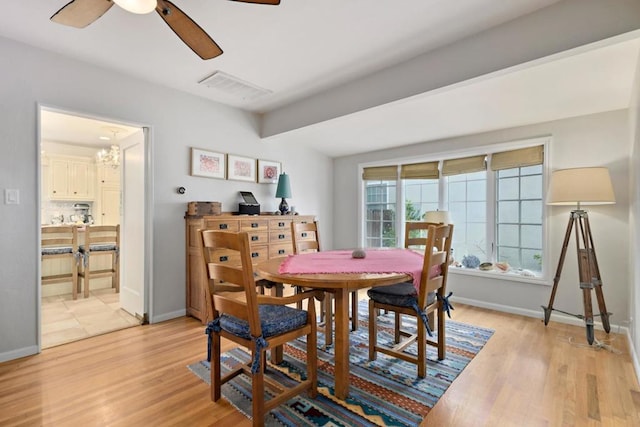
point(323, 274)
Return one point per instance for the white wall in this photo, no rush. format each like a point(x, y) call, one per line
point(30, 76)
point(595, 140)
point(634, 218)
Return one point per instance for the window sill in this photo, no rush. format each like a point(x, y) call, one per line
point(500, 275)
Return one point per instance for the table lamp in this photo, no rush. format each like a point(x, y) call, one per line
point(437, 217)
point(581, 186)
point(283, 191)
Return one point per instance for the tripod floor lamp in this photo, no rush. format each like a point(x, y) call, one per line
point(581, 186)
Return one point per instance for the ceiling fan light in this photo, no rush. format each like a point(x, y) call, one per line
point(137, 6)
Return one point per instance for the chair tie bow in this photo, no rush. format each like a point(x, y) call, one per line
point(213, 326)
point(423, 316)
point(446, 304)
point(261, 344)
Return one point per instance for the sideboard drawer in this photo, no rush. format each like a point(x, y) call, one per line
point(280, 236)
point(222, 225)
point(280, 224)
point(254, 224)
point(258, 237)
point(280, 250)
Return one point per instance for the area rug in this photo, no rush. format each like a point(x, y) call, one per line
point(385, 392)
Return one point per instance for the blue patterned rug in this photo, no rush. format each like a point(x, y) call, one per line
point(385, 392)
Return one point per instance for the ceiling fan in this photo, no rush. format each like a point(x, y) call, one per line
point(80, 13)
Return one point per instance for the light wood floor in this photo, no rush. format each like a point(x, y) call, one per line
point(527, 375)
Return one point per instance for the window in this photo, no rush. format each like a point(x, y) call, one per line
point(495, 201)
point(380, 214)
point(467, 205)
point(519, 217)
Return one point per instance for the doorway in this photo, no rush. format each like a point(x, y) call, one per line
point(107, 160)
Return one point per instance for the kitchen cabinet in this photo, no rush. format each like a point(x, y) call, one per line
point(109, 204)
point(71, 178)
point(108, 175)
point(269, 236)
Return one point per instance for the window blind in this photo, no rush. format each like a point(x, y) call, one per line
point(428, 170)
point(464, 165)
point(380, 173)
point(529, 156)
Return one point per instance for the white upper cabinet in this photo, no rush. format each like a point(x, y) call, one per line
point(71, 178)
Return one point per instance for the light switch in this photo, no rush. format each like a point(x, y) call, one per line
point(11, 196)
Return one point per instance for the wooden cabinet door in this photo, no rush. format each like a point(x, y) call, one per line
point(80, 182)
point(110, 205)
point(59, 179)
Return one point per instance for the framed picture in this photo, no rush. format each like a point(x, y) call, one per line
point(208, 163)
point(268, 171)
point(241, 168)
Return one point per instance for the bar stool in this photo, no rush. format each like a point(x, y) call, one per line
point(60, 242)
point(100, 240)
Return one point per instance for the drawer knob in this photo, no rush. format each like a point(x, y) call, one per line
point(254, 254)
point(254, 238)
point(281, 236)
point(223, 226)
point(254, 225)
point(281, 251)
point(304, 234)
point(281, 224)
point(224, 258)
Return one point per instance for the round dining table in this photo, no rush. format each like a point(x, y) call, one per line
point(340, 285)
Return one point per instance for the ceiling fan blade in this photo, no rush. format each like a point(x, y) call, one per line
point(188, 31)
point(273, 2)
point(80, 13)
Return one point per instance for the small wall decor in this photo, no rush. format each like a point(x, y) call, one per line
point(268, 171)
point(241, 168)
point(208, 163)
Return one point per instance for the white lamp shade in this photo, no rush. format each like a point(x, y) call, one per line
point(437, 217)
point(137, 6)
point(587, 186)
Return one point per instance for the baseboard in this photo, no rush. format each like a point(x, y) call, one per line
point(16, 354)
point(634, 355)
point(168, 316)
point(537, 314)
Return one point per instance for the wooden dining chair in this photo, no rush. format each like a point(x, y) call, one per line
point(404, 299)
point(61, 243)
point(257, 322)
point(100, 240)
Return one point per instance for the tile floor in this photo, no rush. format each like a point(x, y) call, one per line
point(65, 320)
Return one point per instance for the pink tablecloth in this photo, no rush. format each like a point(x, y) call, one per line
point(377, 261)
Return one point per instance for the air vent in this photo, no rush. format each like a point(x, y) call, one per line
point(233, 86)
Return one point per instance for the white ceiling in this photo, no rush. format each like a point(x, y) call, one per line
point(303, 47)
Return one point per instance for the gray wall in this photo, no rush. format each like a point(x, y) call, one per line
point(634, 218)
point(178, 121)
point(595, 140)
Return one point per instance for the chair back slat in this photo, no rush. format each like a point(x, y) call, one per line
point(437, 249)
point(305, 236)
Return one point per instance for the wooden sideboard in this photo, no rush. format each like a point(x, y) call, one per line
point(270, 237)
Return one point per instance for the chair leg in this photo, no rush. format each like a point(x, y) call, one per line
point(257, 396)
point(398, 326)
point(441, 335)
point(328, 319)
point(87, 274)
point(354, 311)
point(75, 281)
point(312, 361)
point(373, 330)
point(421, 342)
point(216, 375)
point(115, 266)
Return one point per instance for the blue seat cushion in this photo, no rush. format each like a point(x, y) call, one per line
point(401, 294)
point(99, 248)
point(57, 251)
point(274, 320)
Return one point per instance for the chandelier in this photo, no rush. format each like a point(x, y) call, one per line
point(109, 158)
point(112, 156)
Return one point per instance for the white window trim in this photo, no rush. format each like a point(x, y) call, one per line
point(546, 278)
